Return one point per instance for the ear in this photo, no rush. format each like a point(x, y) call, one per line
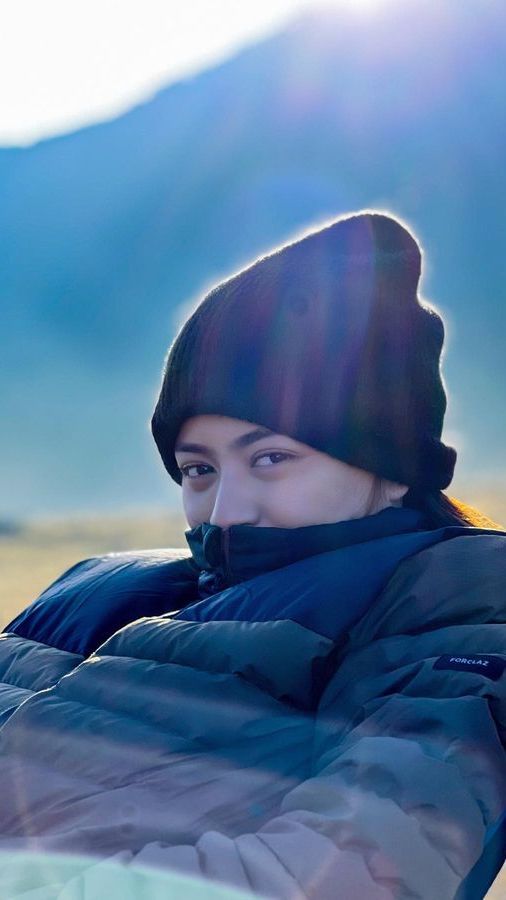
point(392, 491)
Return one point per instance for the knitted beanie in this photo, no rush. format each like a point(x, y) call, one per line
point(324, 340)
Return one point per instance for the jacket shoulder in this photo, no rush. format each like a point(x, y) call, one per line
point(96, 596)
point(461, 581)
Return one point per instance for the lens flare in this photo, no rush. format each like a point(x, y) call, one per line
point(361, 7)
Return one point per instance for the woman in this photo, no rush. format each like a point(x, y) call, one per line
point(313, 705)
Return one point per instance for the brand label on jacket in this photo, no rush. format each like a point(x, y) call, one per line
point(491, 666)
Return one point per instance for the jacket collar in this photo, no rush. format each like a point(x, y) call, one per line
point(230, 556)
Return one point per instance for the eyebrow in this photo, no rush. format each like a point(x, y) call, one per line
point(245, 440)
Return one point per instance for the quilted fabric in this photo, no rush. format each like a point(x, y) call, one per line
point(292, 736)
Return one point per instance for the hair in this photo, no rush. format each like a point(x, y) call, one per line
point(441, 510)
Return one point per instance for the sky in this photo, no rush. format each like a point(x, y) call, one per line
point(68, 64)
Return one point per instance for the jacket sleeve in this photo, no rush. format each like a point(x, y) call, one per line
point(399, 809)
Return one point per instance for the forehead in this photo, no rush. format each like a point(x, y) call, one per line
point(217, 431)
point(214, 425)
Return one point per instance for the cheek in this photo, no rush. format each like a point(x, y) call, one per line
point(323, 495)
point(347, 493)
point(294, 502)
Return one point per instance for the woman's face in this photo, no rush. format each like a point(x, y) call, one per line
point(238, 473)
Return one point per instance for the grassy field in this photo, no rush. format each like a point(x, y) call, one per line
point(33, 556)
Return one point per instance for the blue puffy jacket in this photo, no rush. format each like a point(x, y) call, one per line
point(324, 720)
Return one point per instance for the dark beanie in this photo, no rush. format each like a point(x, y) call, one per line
point(324, 340)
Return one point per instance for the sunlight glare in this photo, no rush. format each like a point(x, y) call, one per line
point(65, 65)
point(362, 7)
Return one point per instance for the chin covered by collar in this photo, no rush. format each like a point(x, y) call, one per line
point(232, 555)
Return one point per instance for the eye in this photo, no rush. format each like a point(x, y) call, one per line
point(195, 470)
point(274, 458)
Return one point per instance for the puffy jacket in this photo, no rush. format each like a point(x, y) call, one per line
point(332, 727)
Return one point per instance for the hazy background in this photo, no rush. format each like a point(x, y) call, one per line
point(148, 150)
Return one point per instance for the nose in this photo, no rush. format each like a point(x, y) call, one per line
point(234, 503)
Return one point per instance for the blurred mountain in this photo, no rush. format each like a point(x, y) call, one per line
point(108, 231)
